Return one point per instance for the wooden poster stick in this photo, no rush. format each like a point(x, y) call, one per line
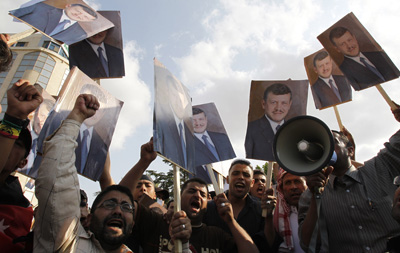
point(338, 118)
point(268, 184)
point(213, 179)
point(386, 97)
point(18, 36)
point(177, 202)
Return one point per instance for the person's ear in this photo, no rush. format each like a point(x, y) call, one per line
point(22, 163)
point(252, 183)
point(350, 151)
point(263, 103)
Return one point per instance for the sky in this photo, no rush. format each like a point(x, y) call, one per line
point(216, 47)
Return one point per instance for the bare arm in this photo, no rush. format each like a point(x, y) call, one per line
point(105, 178)
point(242, 238)
point(22, 99)
point(147, 155)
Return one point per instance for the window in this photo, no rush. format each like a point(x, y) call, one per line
point(20, 44)
point(38, 61)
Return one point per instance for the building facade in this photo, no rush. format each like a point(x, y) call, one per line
point(38, 59)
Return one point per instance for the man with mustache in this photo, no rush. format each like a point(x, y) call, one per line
point(258, 188)
point(58, 227)
point(362, 69)
point(290, 187)
point(260, 134)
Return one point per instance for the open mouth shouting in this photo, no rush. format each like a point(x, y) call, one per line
point(115, 225)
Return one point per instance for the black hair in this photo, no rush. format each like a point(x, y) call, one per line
point(258, 172)
point(320, 56)
point(277, 89)
point(337, 32)
point(6, 56)
point(111, 188)
point(196, 180)
point(196, 111)
point(240, 161)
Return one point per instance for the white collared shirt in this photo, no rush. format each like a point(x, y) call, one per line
point(200, 137)
point(177, 122)
point(326, 80)
point(57, 29)
point(95, 47)
point(274, 124)
point(89, 138)
point(357, 59)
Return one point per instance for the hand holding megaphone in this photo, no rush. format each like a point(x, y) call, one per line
point(316, 182)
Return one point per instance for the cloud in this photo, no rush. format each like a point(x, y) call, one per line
point(134, 92)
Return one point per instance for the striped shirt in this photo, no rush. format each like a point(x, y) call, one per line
point(355, 214)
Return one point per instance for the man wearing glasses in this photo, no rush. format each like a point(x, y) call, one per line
point(57, 189)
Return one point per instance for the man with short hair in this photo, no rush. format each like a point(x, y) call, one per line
point(60, 24)
point(362, 69)
point(260, 134)
point(57, 190)
point(210, 147)
point(290, 187)
point(246, 209)
point(258, 188)
point(329, 89)
point(96, 58)
point(145, 185)
point(15, 143)
point(354, 206)
point(203, 238)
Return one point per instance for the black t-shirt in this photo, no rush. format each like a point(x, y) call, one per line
point(151, 232)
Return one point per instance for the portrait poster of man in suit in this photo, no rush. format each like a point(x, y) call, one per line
point(100, 56)
point(96, 132)
point(62, 20)
point(328, 85)
point(271, 104)
point(37, 120)
point(211, 142)
point(358, 55)
point(172, 123)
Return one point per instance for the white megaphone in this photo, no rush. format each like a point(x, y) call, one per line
point(304, 145)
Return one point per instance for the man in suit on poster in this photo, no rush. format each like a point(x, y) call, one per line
point(210, 146)
point(362, 69)
point(96, 58)
point(174, 138)
point(260, 134)
point(60, 24)
point(329, 89)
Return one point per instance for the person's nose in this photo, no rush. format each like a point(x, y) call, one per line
point(143, 189)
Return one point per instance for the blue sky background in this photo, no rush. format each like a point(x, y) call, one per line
point(217, 47)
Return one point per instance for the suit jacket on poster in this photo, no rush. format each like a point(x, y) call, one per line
point(96, 157)
point(324, 95)
point(82, 55)
point(169, 143)
point(45, 18)
point(222, 144)
point(259, 140)
point(361, 77)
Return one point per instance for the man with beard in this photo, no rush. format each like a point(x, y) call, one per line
point(58, 225)
point(246, 209)
point(187, 225)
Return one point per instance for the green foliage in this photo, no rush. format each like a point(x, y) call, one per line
point(166, 180)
